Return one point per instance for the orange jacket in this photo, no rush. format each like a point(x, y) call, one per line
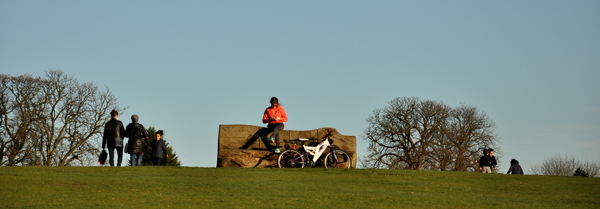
point(274, 112)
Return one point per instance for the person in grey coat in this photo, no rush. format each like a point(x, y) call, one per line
point(137, 134)
point(159, 148)
point(515, 168)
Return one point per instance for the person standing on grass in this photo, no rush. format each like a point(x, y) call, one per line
point(515, 168)
point(113, 138)
point(485, 162)
point(136, 133)
point(159, 148)
point(494, 163)
point(275, 116)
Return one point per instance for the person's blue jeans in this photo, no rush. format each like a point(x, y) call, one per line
point(136, 159)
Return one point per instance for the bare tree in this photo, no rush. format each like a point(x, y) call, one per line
point(20, 107)
point(74, 113)
point(558, 165)
point(412, 133)
point(466, 132)
point(442, 154)
point(52, 121)
point(400, 136)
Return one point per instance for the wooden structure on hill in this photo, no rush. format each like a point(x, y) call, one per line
point(247, 145)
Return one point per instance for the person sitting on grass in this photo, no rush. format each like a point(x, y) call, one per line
point(515, 168)
point(159, 148)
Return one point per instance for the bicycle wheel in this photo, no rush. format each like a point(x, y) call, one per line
point(291, 159)
point(340, 160)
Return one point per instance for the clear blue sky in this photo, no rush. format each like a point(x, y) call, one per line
point(188, 66)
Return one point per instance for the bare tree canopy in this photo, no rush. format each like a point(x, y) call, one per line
point(52, 120)
point(412, 133)
point(21, 105)
point(558, 165)
point(462, 137)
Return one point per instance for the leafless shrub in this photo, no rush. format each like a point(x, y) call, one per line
point(558, 165)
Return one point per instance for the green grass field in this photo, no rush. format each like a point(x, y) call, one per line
point(183, 187)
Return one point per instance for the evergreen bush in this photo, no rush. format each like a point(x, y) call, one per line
point(580, 172)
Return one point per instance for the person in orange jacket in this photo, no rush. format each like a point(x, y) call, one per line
point(275, 116)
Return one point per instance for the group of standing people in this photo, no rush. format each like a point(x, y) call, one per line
point(488, 162)
point(115, 133)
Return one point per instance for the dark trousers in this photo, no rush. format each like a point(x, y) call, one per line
point(275, 128)
point(111, 156)
point(156, 161)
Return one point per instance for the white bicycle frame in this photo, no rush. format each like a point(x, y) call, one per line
point(316, 151)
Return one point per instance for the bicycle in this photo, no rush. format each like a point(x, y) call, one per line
point(309, 155)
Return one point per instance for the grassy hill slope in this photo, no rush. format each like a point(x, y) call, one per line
point(183, 187)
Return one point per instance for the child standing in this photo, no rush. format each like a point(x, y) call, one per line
point(159, 148)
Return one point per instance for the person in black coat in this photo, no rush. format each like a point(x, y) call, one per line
point(494, 162)
point(485, 162)
point(113, 138)
point(515, 168)
point(136, 133)
point(159, 148)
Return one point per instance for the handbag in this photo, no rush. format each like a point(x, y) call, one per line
point(102, 158)
point(126, 146)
